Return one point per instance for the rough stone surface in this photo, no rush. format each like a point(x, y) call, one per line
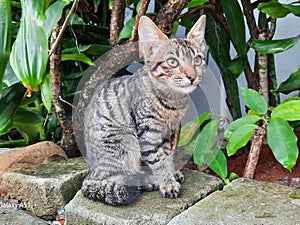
point(46, 188)
point(12, 214)
point(150, 209)
point(17, 158)
point(245, 202)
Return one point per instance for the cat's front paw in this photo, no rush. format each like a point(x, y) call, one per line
point(179, 177)
point(170, 190)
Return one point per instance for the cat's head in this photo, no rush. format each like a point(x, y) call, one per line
point(178, 63)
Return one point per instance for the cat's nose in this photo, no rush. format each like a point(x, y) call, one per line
point(191, 77)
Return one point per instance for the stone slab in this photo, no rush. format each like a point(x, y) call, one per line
point(46, 188)
point(17, 158)
point(245, 202)
point(150, 209)
point(12, 214)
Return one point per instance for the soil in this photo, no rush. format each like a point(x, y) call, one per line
point(267, 169)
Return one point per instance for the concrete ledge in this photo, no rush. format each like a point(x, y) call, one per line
point(46, 188)
point(150, 209)
point(245, 202)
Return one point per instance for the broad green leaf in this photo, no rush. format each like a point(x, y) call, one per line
point(295, 9)
point(29, 54)
point(237, 66)
point(9, 77)
point(249, 119)
point(219, 47)
point(78, 49)
point(235, 20)
point(126, 32)
point(46, 92)
point(5, 37)
point(283, 142)
point(138, 6)
point(240, 138)
point(77, 57)
point(188, 131)
point(29, 122)
point(274, 9)
point(291, 84)
point(195, 3)
point(205, 141)
point(274, 46)
point(289, 110)
point(53, 15)
point(219, 164)
point(10, 100)
point(254, 100)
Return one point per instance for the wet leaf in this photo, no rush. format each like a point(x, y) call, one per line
point(29, 54)
point(283, 142)
point(254, 100)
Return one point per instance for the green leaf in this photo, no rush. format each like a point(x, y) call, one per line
point(274, 9)
point(195, 3)
point(46, 92)
point(235, 20)
point(219, 164)
point(9, 77)
point(295, 9)
point(289, 110)
point(77, 57)
point(10, 100)
point(188, 131)
point(291, 84)
point(29, 54)
point(53, 15)
point(274, 46)
point(219, 47)
point(78, 49)
point(240, 138)
point(283, 142)
point(205, 141)
point(29, 122)
point(5, 37)
point(126, 32)
point(254, 100)
point(249, 119)
point(237, 66)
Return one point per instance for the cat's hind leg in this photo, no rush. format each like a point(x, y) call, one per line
point(113, 190)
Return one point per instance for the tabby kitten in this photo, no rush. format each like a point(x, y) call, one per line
point(131, 121)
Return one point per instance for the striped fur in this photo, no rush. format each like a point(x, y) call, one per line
point(131, 121)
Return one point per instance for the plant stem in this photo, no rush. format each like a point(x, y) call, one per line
point(142, 10)
point(254, 152)
point(116, 22)
point(62, 111)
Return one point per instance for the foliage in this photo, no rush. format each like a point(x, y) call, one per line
point(26, 29)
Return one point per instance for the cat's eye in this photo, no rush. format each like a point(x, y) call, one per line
point(172, 62)
point(197, 60)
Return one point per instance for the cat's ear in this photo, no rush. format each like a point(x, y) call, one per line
point(198, 30)
point(150, 37)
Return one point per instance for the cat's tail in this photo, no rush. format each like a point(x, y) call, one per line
point(109, 191)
